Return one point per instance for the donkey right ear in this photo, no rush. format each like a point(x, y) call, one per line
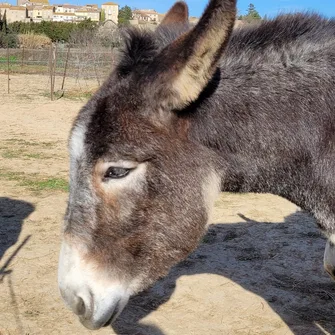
point(177, 14)
point(183, 68)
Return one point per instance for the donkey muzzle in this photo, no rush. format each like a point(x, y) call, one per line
point(97, 298)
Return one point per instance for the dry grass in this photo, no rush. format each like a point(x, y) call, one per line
point(33, 41)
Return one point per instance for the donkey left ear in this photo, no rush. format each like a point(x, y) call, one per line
point(177, 14)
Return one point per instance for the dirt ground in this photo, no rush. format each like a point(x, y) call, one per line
point(257, 271)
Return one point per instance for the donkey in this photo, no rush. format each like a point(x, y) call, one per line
point(186, 113)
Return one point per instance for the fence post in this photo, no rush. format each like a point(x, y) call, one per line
point(96, 72)
point(54, 67)
point(22, 57)
point(50, 72)
point(52, 57)
point(65, 67)
point(8, 79)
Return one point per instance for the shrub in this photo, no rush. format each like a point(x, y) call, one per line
point(11, 40)
point(109, 35)
point(56, 31)
point(33, 41)
point(83, 37)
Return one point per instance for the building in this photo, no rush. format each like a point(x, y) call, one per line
point(30, 9)
point(41, 13)
point(148, 15)
point(33, 3)
point(66, 8)
point(14, 13)
point(92, 13)
point(4, 7)
point(40, 10)
point(64, 17)
point(111, 11)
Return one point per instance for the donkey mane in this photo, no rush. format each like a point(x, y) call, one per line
point(141, 46)
point(285, 30)
point(290, 30)
point(139, 49)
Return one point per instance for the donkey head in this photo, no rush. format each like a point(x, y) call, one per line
point(140, 189)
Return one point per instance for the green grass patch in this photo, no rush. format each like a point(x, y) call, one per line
point(18, 141)
point(11, 59)
point(18, 148)
point(16, 67)
point(23, 154)
point(10, 154)
point(47, 184)
point(21, 142)
point(35, 182)
point(10, 175)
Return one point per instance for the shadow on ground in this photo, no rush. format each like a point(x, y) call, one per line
point(12, 214)
point(281, 262)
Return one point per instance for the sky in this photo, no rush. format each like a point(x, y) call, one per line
point(264, 7)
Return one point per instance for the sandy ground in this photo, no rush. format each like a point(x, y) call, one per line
point(258, 270)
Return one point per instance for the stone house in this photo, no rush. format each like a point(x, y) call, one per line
point(111, 10)
point(148, 15)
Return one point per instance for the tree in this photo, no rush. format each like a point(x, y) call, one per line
point(4, 23)
point(7, 38)
point(87, 24)
point(1, 22)
point(125, 15)
point(103, 16)
point(252, 14)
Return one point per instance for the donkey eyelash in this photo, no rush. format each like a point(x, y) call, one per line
point(124, 164)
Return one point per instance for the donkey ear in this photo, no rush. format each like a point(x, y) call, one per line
point(184, 68)
point(177, 14)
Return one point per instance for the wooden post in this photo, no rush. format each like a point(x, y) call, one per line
point(8, 88)
point(96, 73)
point(54, 67)
point(22, 57)
point(50, 72)
point(52, 57)
point(65, 67)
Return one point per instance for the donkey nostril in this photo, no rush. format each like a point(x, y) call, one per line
point(80, 306)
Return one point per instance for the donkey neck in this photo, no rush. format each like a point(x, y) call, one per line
point(263, 140)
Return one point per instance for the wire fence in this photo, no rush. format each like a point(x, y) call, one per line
point(60, 69)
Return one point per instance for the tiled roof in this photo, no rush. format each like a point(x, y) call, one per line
point(145, 11)
point(87, 10)
point(17, 8)
point(46, 2)
point(69, 6)
point(64, 14)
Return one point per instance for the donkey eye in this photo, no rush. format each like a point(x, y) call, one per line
point(116, 173)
